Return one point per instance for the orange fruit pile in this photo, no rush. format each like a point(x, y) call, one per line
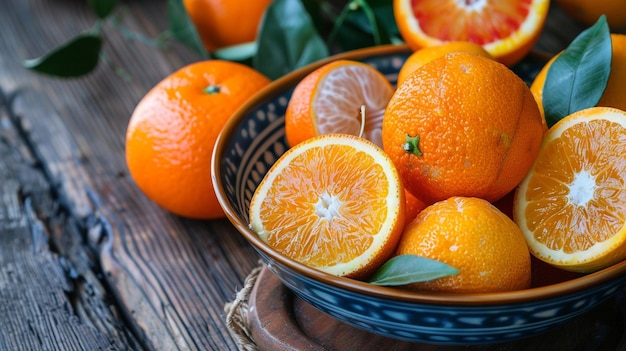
point(173, 129)
point(463, 132)
point(571, 205)
point(333, 202)
point(460, 133)
point(462, 125)
point(225, 23)
point(501, 141)
point(507, 29)
point(472, 235)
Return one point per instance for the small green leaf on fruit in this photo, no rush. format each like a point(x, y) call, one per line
point(407, 269)
point(75, 58)
point(412, 145)
point(577, 78)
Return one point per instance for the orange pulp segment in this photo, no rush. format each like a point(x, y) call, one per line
point(329, 100)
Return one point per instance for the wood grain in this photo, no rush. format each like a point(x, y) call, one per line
point(170, 277)
point(46, 300)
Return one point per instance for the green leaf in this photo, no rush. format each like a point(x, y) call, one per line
point(182, 28)
point(407, 269)
point(237, 53)
point(365, 23)
point(577, 78)
point(103, 8)
point(287, 40)
point(75, 58)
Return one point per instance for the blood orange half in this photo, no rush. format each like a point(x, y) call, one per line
point(507, 29)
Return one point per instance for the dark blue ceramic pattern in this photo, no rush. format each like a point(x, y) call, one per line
point(440, 324)
point(260, 140)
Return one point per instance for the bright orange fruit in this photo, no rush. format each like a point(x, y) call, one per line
point(222, 23)
point(462, 125)
point(587, 12)
point(413, 206)
point(333, 202)
point(172, 131)
point(507, 29)
point(473, 236)
point(424, 55)
point(572, 204)
point(329, 100)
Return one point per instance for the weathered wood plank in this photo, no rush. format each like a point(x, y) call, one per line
point(171, 277)
point(47, 302)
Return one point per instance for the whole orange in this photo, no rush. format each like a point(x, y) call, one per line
point(413, 206)
point(587, 12)
point(615, 91)
point(222, 23)
point(173, 129)
point(426, 54)
point(462, 125)
point(473, 236)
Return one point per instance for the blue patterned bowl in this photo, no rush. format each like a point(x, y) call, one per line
point(254, 139)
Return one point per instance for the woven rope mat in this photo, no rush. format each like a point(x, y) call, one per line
point(237, 310)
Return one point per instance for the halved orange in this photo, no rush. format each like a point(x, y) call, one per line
point(571, 206)
point(334, 202)
point(329, 100)
point(507, 29)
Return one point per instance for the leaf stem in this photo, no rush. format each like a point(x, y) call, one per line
point(339, 21)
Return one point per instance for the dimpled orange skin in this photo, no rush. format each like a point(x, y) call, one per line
point(485, 245)
point(222, 23)
point(173, 129)
point(426, 54)
point(479, 129)
point(413, 206)
point(587, 12)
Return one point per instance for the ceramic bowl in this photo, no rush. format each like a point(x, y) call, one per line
point(254, 139)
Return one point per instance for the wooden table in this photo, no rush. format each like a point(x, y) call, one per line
point(87, 262)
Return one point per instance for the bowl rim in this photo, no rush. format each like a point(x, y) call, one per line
point(532, 294)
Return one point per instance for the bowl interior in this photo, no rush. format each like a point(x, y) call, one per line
point(255, 138)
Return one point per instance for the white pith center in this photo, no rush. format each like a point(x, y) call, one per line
point(471, 5)
point(581, 189)
point(327, 206)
